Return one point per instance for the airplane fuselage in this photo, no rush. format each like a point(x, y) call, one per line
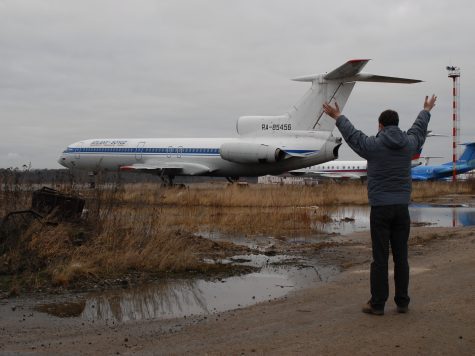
point(114, 154)
point(336, 170)
point(440, 172)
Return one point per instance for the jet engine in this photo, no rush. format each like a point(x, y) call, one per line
point(245, 152)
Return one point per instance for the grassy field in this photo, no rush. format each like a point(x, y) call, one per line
point(273, 196)
point(145, 229)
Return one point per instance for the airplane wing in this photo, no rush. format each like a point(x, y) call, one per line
point(355, 176)
point(331, 175)
point(172, 168)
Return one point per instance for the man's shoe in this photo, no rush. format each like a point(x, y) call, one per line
point(402, 310)
point(368, 309)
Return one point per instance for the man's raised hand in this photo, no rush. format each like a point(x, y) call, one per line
point(429, 103)
point(331, 111)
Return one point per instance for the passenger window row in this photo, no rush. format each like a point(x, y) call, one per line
point(169, 150)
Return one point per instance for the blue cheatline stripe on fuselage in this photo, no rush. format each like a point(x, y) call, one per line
point(143, 150)
point(158, 150)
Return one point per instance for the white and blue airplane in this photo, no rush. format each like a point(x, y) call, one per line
point(464, 164)
point(341, 170)
point(300, 138)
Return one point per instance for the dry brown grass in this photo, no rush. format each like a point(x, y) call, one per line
point(249, 196)
point(424, 190)
point(68, 253)
point(14, 194)
point(272, 196)
point(148, 229)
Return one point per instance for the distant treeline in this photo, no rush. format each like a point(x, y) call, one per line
point(61, 176)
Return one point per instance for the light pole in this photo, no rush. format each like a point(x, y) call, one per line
point(454, 73)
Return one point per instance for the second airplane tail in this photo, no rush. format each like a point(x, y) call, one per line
point(468, 154)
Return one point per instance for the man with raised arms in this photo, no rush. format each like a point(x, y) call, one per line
point(389, 155)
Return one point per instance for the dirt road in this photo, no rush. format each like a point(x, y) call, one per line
point(322, 320)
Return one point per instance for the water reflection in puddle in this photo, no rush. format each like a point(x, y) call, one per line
point(352, 219)
point(347, 220)
point(178, 298)
point(443, 216)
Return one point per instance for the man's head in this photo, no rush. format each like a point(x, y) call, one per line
point(388, 118)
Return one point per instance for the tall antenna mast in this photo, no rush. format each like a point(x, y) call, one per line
point(454, 73)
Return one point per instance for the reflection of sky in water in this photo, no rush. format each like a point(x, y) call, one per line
point(443, 215)
point(178, 298)
point(439, 216)
point(358, 214)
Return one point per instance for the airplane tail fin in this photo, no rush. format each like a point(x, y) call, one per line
point(427, 159)
point(416, 159)
point(334, 86)
point(308, 113)
point(469, 153)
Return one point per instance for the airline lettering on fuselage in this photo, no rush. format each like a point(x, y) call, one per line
point(276, 127)
point(108, 142)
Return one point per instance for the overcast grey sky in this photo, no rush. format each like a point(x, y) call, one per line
point(72, 70)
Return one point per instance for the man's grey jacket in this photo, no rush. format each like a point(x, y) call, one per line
point(389, 156)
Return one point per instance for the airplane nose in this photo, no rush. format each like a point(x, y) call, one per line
point(62, 161)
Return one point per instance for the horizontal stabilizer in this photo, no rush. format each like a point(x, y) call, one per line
point(349, 69)
point(364, 77)
point(350, 72)
point(431, 134)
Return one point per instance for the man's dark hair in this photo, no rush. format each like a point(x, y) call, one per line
point(388, 118)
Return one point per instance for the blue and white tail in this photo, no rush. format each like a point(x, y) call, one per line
point(468, 154)
point(307, 114)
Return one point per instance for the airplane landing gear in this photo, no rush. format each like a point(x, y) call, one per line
point(167, 181)
point(232, 180)
point(92, 179)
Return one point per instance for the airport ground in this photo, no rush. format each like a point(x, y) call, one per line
point(320, 320)
point(324, 319)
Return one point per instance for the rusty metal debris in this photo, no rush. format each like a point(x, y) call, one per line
point(48, 206)
point(48, 201)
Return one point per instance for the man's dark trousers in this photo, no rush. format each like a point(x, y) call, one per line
point(390, 224)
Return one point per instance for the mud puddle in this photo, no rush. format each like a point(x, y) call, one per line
point(278, 275)
point(167, 299)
